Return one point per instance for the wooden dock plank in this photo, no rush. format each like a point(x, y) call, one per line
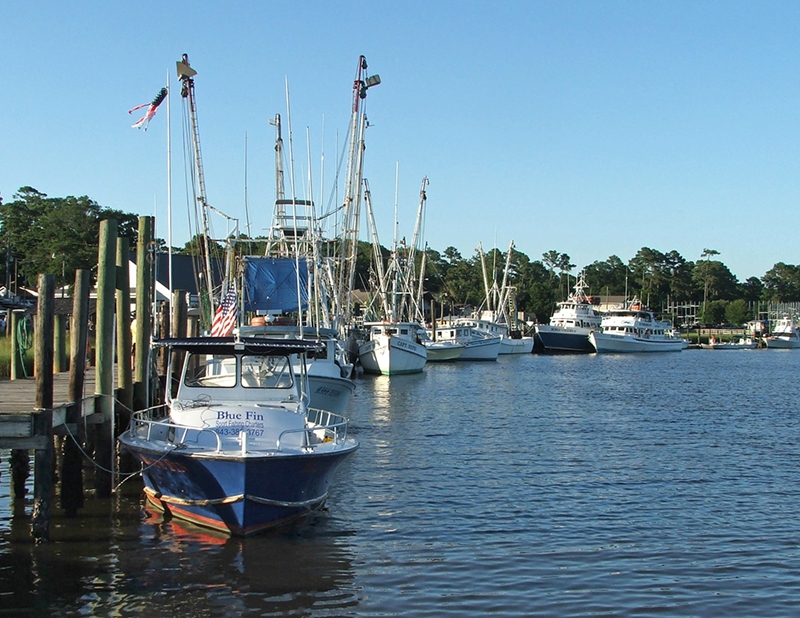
point(19, 396)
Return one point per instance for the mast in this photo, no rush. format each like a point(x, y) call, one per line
point(186, 76)
point(352, 197)
point(416, 245)
point(280, 192)
point(376, 253)
point(502, 302)
point(485, 276)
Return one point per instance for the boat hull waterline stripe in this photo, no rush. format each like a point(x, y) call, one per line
point(233, 499)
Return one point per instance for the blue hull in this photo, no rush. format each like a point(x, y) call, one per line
point(565, 342)
point(237, 495)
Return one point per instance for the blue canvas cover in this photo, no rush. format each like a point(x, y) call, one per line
point(270, 284)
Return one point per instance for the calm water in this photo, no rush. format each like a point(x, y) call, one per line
point(665, 485)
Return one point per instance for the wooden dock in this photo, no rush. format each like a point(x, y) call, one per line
point(18, 409)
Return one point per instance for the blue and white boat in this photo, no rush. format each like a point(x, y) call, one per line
point(238, 449)
point(570, 325)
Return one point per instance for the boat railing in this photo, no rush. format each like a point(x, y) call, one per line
point(322, 426)
point(145, 426)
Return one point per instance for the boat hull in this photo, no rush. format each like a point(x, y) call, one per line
point(563, 340)
point(392, 356)
point(330, 393)
point(238, 495)
point(730, 346)
point(439, 352)
point(622, 344)
point(508, 345)
point(782, 343)
point(485, 349)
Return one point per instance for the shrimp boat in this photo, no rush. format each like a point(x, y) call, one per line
point(634, 328)
point(395, 340)
point(499, 318)
point(238, 449)
point(478, 345)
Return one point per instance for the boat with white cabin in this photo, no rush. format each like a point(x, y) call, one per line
point(394, 343)
point(393, 348)
point(478, 345)
point(742, 343)
point(785, 334)
point(498, 318)
point(238, 449)
point(634, 328)
point(570, 325)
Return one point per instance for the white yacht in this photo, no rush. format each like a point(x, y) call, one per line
point(570, 325)
point(785, 334)
point(634, 328)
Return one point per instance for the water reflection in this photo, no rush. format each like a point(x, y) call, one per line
point(544, 485)
point(119, 558)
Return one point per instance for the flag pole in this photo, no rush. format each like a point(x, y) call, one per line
point(172, 327)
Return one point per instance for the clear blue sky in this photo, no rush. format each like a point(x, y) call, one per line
point(591, 128)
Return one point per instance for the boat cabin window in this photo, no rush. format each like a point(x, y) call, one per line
point(219, 371)
point(266, 372)
point(210, 370)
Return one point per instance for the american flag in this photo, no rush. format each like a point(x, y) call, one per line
point(225, 317)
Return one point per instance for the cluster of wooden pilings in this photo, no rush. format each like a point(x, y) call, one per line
point(33, 429)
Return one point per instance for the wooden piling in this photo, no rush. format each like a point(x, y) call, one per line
point(106, 296)
point(144, 286)
point(179, 326)
point(124, 336)
point(60, 344)
point(43, 421)
point(17, 368)
point(71, 462)
point(20, 459)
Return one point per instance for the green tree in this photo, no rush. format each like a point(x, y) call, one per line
point(781, 283)
point(751, 289)
point(56, 235)
point(715, 280)
point(737, 312)
point(606, 277)
point(650, 275)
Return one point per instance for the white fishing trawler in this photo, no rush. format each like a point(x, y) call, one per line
point(498, 318)
point(477, 345)
point(394, 343)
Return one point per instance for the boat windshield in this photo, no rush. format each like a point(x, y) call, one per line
point(210, 370)
point(266, 372)
point(219, 371)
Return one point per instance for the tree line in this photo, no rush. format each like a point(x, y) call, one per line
point(42, 234)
